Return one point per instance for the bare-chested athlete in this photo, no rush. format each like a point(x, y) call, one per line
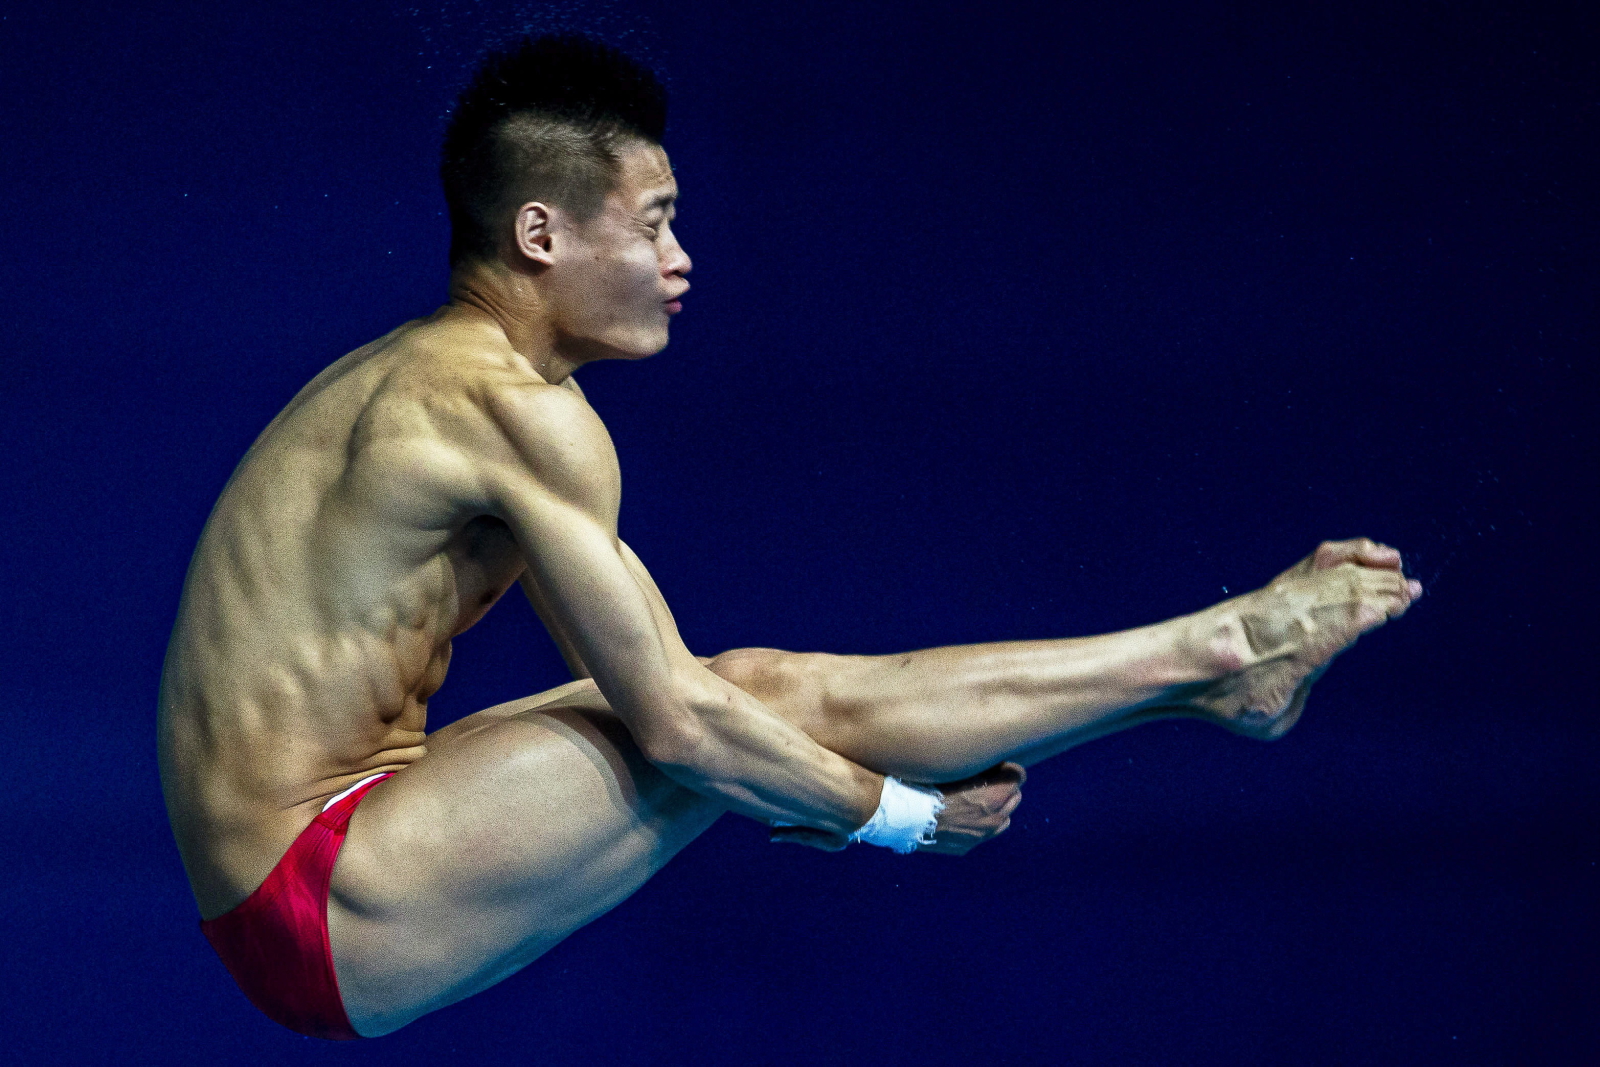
point(410, 484)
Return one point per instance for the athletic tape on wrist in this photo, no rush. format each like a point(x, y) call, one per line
point(906, 817)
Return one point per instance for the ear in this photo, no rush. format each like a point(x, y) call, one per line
point(533, 226)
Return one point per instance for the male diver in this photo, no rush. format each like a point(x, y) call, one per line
point(414, 481)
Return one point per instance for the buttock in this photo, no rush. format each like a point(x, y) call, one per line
point(275, 944)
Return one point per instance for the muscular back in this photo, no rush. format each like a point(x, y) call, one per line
point(316, 619)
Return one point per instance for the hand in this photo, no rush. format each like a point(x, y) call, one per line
point(975, 809)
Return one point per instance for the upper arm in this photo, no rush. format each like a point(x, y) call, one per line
point(556, 484)
point(555, 451)
point(569, 650)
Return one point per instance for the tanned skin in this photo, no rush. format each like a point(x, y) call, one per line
point(413, 482)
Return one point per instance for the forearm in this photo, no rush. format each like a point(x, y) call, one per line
point(744, 753)
point(739, 751)
point(703, 732)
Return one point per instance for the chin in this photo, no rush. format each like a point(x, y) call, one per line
point(637, 340)
point(646, 346)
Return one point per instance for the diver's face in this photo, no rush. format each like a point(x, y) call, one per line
point(621, 272)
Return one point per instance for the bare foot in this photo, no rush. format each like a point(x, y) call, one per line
point(1277, 641)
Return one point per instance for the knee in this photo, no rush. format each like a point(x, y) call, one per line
point(792, 680)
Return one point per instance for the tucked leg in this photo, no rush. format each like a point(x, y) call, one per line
point(521, 824)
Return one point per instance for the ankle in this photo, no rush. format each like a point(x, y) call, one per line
point(1213, 642)
point(1221, 656)
point(1192, 655)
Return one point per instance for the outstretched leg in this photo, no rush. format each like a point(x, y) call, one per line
point(946, 713)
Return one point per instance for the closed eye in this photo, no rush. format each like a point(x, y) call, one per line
point(657, 216)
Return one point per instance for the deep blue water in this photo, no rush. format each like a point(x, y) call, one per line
point(1009, 321)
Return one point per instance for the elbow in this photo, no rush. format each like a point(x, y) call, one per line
point(673, 738)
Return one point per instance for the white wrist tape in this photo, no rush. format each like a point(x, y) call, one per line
point(906, 817)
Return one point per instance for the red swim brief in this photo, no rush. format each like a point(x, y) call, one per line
point(275, 944)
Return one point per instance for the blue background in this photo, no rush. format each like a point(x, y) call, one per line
point(1009, 321)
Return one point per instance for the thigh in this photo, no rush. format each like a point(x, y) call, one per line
point(520, 825)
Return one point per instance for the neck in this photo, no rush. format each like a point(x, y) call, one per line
point(514, 304)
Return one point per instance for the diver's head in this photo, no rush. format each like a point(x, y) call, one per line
point(557, 183)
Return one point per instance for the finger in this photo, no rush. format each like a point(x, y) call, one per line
point(821, 844)
point(809, 836)
point(1008, 772)
point(959, 844)
point(1011, 805)
point(999, 774)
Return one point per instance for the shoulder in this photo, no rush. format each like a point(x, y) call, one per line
point(529, 410)
point(462, 386)
point(542, 426)
point(514, 430)
point(554, 442)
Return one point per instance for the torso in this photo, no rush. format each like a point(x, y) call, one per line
point(316, 619)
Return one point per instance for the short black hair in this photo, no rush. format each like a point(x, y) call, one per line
point(543, 120)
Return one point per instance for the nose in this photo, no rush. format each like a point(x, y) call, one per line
point(674, 259)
